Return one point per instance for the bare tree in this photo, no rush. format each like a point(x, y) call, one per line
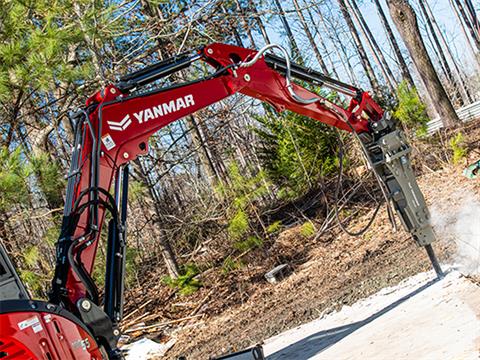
point(233, 27)
point(367, 66)
point(291, 39)
point(465, 21)
point(473, 49)
point(473, 16)
point(406, 75)
point(245, 24)
point(439, 51)
point(338, 47)
point(372, 43)
point(405, 20)
point(311, 40)
point(467, 97)
point(321, 41)
point(165, 247)
point(258, 20)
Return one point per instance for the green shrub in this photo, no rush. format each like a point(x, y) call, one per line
point(51, 235)
point(31, 255)
point(410, 110)
point(307, 229)
point(295, 150)
point(136, 190)
point(458, 147)
point(32, 280)
point(249, 244)
point(238, 225)
point(13, 179)
point(49, 178)
point(186, 283)
point(131, 255)
point(274, 227)
point(230, 264)
point(98, 273)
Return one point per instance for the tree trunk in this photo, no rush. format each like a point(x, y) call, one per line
point(405, 20)
point(468, 24)
point(311, 40)
point(322, 44)
point(259, 22)
point(374, 48)
point(339, 48)
point(473, 16)
point(96, 57)
point(465, 34)
point(406, 75)
point(291, 39)
point(203, 153)
point(165, 247)
point(441, 54)
point(367, 66)
point(467, 97)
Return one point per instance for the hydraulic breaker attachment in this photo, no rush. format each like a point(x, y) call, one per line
point(388, 153)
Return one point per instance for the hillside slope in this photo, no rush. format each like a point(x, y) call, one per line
point(339, 272)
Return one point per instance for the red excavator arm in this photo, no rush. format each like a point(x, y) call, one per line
point(117, 122)
point(122, 123)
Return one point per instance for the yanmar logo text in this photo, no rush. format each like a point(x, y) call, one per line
point(153, 112)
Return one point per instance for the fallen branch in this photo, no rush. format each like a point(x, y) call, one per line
point(153, 326)
point(137, 309)
point(134, 321)
point(202, 303)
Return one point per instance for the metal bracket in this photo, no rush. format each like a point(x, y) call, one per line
point(101, 327)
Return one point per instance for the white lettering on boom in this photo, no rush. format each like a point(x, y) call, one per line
point(164, 109)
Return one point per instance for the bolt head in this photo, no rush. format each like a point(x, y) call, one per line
point(246, 77)
point(86, 305)
point(113, 91)
point(116, 332)
point(209, 51)
point(125, 155)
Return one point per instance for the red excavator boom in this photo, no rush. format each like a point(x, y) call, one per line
point(114, 128)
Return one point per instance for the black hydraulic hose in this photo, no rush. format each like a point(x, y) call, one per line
point(76, 262)
point(109, 196)
point(82, 274)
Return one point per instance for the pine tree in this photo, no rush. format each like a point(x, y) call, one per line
point(296, 151)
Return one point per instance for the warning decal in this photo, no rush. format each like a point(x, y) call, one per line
point(34, 322)
point(108, 141)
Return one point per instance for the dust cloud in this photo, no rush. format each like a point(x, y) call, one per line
point(458, 221)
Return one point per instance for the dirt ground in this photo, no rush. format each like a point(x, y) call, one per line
point(339, 271)
point(240, 309)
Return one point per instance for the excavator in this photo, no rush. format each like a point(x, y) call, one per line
point(113, 129)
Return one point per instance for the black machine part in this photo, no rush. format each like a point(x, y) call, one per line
point(101, 327)
point(11, 286)
point(254, 353)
